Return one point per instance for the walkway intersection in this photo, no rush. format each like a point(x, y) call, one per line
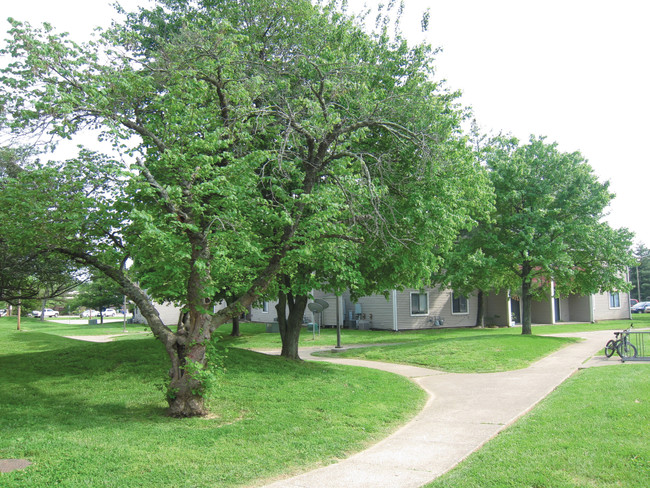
point(463, 412)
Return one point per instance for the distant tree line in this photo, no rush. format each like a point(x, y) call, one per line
point(640, 274)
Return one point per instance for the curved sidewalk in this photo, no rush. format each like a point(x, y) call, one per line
point(463, 412)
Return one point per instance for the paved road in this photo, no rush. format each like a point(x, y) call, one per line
point(463, 412)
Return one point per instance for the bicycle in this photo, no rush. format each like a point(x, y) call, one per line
point(621, 345)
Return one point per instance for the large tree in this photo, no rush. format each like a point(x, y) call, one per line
point(258, 129)
point(548, 224)
point(28, 273)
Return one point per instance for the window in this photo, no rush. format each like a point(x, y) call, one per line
point(458, 304)
point(265, 306)
point(614, 300)
point(419, 303)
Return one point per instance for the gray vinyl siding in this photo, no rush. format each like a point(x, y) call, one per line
point(439, 306)
point(329, 314)
point(258, 314)
point(541, 311)
point(602, 311)
point(169, 314)
point(497, 311)
point(579, 308)
point(378, 310)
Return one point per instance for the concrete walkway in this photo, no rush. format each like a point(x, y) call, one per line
point(463, 412)
point(102, 338)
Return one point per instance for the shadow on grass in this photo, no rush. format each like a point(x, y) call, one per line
point(79, 384)
point(90, 414)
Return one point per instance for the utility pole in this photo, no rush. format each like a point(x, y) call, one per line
point(638, 286)
point(124, 315)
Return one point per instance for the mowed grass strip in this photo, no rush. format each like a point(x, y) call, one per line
point(74, 327)
point(593, 431)
point(482, 352)
point(90, 414)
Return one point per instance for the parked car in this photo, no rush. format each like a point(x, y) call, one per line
point(633, 301)
point(90, 313)
point(641, 307)
point(110, 312)
point(3, 312)
point(48, 312)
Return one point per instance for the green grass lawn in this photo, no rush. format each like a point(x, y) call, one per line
point(456, 350)
point(593, 431)
point(91, 414)
point(481, 352)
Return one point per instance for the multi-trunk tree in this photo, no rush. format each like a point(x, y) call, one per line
point(269, 140)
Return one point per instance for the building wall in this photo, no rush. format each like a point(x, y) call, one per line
point(169, 314)
point(497, 312)
point(565, 310)
point(330, 313)
point(541, 312)
point(377, 309)
point(579, 308)
point(259, 315)
point(602, 310)
point(440, 303)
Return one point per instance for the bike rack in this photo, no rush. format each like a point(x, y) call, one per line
point(641, 341)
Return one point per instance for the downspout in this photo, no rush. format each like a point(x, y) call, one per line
point(394, 298)
point(591, 309)
point(509, 309)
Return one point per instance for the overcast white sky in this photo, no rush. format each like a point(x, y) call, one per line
point(575, 71)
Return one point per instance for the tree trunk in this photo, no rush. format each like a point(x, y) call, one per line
point(526, 299)
point(480, 309)
point(235, 327)
point(185, 391)
point(291, 325)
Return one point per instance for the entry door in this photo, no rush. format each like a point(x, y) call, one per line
point(515, 309)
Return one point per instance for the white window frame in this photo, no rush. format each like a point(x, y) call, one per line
point(466, 312)
point(265, 306)
point(618, 299)
point(426, 294)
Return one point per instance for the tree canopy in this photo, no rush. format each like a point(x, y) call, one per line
point(548, 224)
point(98, 293)
point(27, 273)
point(269, 140)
